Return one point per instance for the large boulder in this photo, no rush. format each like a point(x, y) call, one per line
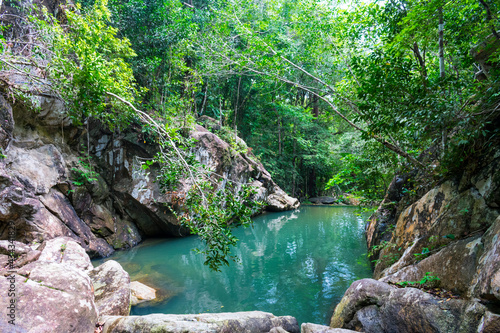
point(111, 289)
point(374, 307)
point(237, 322)
point(52, 290)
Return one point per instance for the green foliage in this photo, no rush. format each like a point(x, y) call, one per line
point(87, 60)
point(212, 217)
point(427, 281)
point(85, 173)
point(2, 155)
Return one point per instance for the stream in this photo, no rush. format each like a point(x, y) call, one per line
point(296, 263)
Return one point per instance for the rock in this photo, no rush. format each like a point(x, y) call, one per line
point(237, 322)
point(360, 293)
point(323, 200)
point(441, 215)
point(280, 201)
point(314, 328)
point(490, 323)
point(455, 275)
point(52, 297)
point(66, 251)
point(39, 169)
point(6, 123)
point(15, 247)
point(373, 306)
point(486, 282)
point(141, 293)
point(111, 289)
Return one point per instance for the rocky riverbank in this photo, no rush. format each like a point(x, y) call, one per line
point(443, 247)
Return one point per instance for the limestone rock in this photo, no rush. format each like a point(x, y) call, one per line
point(373, 306)
point(39, 169)
point(141, 293)
point(237, 322)
point(111, 289)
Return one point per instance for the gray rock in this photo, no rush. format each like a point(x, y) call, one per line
point(314, 328)
point(280, 201)
point(373, 306)
point(111, 289)
point(255, 322)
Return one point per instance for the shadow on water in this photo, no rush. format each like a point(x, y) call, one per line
point(293, 263)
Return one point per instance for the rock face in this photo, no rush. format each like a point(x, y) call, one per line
point(54, 292)
point(44, 190)
point(450, 231)
point(238, 322)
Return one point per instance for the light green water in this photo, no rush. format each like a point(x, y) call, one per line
point(293, 263)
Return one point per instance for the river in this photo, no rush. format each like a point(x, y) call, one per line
point(296, 263)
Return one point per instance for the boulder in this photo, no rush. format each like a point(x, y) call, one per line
point(52, 298)
point(373, 306)
point(322, 200)
point(237, 322)
point(65, 250)
point(141, 293)
point(454, 274)
point(486, 281)
point(111, 289)
point(314, 328)
point(280, 201)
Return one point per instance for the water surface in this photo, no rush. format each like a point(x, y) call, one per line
point(296, 263)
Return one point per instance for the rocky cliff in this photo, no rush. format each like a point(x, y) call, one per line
point(42, 164)
point(441, 245)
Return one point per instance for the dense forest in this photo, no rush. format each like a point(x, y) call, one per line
point(332, 97)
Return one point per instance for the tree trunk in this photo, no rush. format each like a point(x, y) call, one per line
point(442, 72)
point(421, 61)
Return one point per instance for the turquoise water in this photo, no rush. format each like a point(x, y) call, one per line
point(293, 263)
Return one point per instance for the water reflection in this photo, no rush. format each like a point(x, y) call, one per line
point(294, 263)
